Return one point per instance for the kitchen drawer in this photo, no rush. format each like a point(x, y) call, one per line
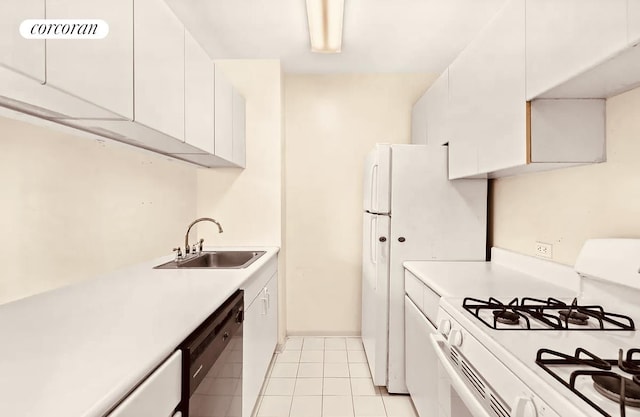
point(423, 297)
point(430, 303)
point(414, 288)
point(158, 395)
point(254, 285)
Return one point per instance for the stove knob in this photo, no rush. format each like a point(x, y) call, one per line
point(455, 338)
point(444, 327)
point(525, 407)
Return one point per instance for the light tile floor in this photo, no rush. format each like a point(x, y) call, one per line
point(326, 377)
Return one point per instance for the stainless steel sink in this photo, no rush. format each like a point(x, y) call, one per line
point(216, 260)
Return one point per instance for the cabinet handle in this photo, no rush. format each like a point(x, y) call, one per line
point(264, 306)
point(268, 294)
point(197, 372)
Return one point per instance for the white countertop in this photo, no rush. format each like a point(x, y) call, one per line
point(77, 350)
point(482, 279)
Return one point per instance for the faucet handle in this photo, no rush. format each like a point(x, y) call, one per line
point(200, 242)
point(179, 252)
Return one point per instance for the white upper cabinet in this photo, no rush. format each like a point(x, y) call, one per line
point(633, 20)
point(199, 107)
point(567, 131)
point(437, 110)
point(223, 116)
point(22, 55)
point(419, 121)
point(430, 113)
point(494, 129)
point(99, 71)
point(239, 129)
point(159, 68)
point(486, 98)
point(565, 38)
point(503, 116)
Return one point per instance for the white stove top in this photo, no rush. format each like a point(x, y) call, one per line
point(517, 350)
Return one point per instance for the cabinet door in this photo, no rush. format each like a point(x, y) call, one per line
point(421, 361)
point(419, 120)
point(565, 38)
point(486, 87)
point(271, 324)
point(26, 56)
point(633, 19)
point(239, 129)
point(198, 96)
point(223, 116)
point(260, 338)
point(159, 71)
point(99, 71)
point(437, 108)
point(158, 395)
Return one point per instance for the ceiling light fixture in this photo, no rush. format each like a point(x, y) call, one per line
point(325, 25)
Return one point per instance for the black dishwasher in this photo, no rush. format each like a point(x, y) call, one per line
point(212, 363)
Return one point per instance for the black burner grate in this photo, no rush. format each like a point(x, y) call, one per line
point(552, 313)
point(599, 370)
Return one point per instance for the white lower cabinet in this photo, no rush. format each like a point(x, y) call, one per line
point(158, 395)
point(421, 361)
point(259, 339)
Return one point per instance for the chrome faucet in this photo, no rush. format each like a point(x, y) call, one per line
point(186, 237)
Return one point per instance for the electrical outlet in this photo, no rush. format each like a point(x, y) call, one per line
point(544, 250)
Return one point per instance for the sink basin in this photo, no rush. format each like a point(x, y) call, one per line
point(216, 260)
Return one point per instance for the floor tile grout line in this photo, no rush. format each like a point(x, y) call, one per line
point(322, 383)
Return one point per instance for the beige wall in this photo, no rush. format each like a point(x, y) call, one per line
point(249, 203)
point(568, 206)
point(331, 122)
point(73, 207)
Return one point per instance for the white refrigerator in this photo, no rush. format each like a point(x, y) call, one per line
point(411, 212)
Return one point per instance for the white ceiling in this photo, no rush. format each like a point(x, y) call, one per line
point(379, 35)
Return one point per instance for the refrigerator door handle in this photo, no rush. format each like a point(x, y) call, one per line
point(372, 240)
point(374, 188)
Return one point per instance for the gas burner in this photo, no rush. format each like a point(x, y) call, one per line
point(630, 365)
point(506, 317)
point(574, 317)
point(607, 381)
point(611, 387)
point(549, 314)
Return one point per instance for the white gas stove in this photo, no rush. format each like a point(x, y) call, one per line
point(551, 357)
